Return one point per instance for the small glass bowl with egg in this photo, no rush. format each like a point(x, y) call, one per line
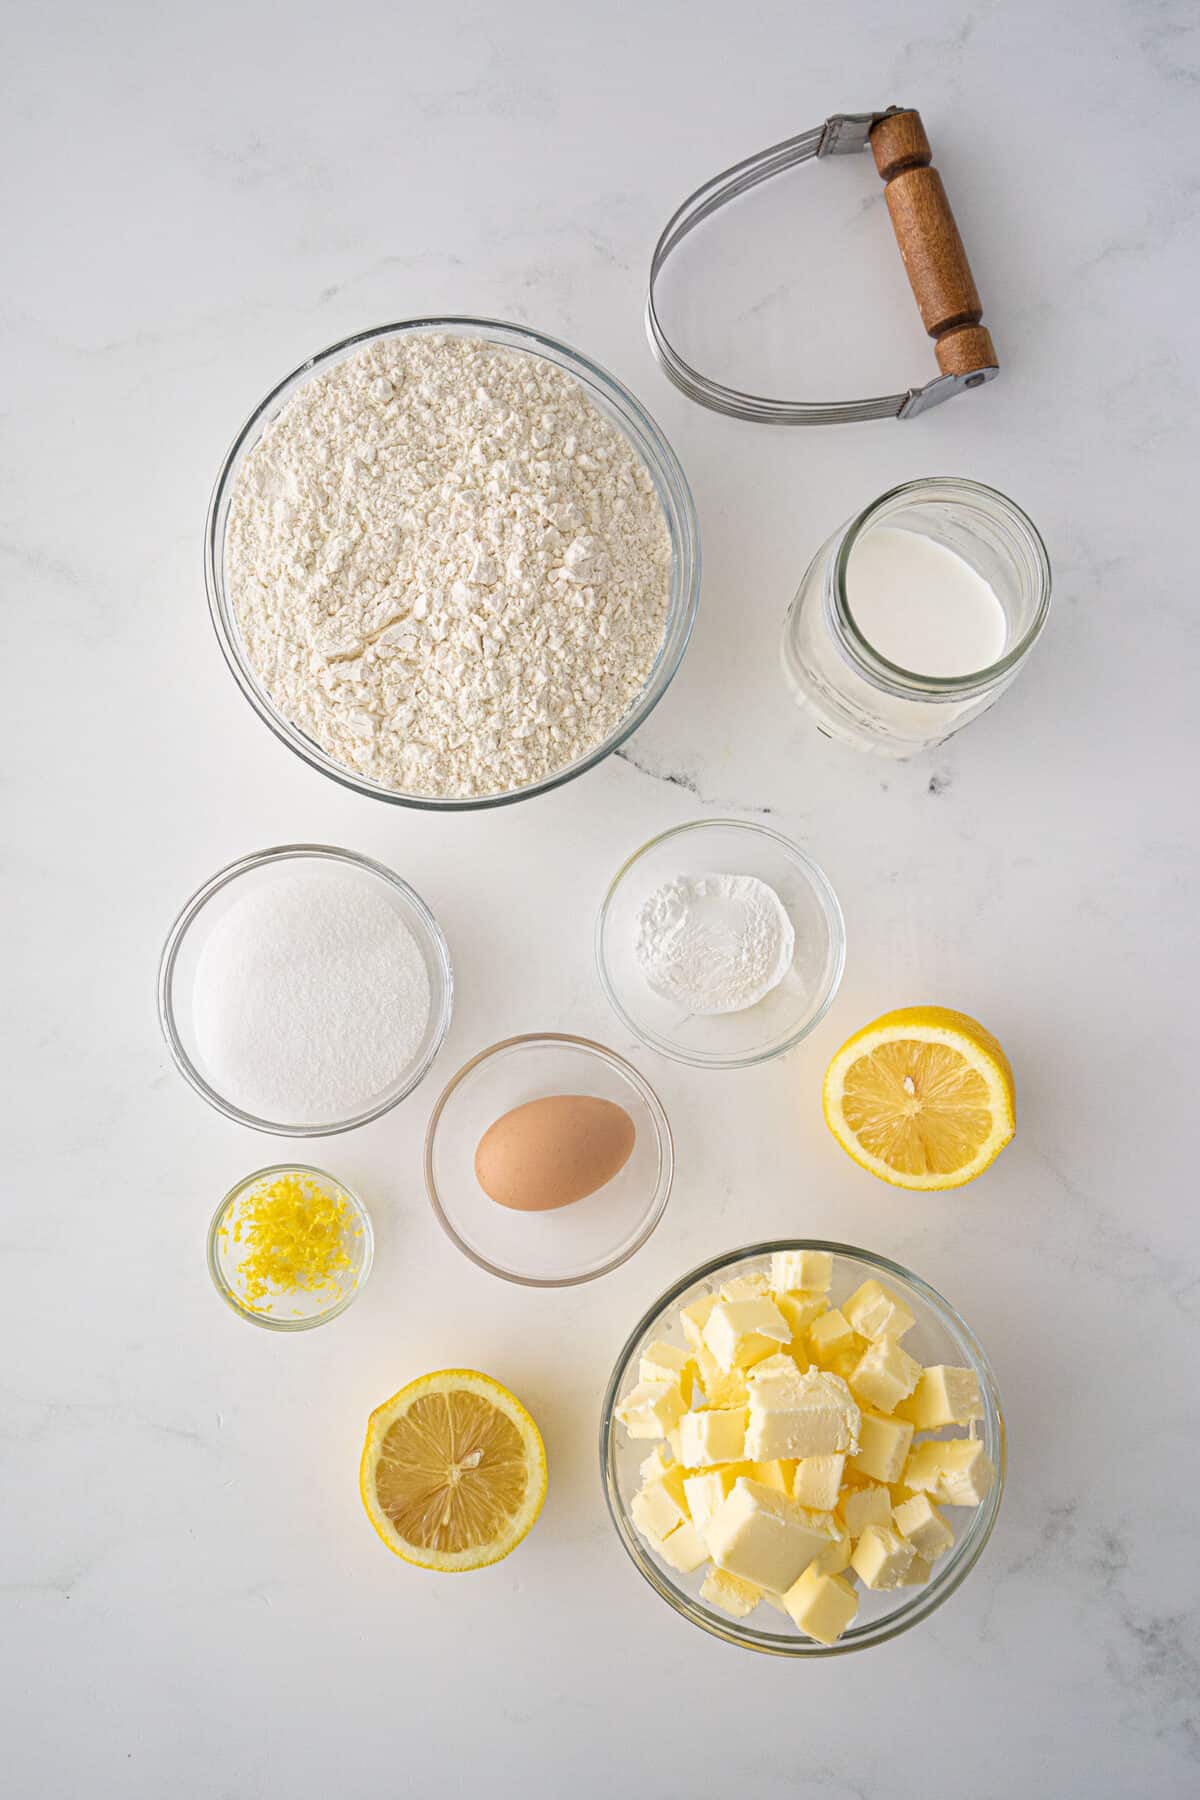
point(548, 1160)
point(947, 1535)
point(797, 998)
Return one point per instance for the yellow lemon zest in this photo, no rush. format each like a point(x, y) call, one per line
point(292, 1233)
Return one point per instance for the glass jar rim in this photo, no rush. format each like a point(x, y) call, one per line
point(878, 668)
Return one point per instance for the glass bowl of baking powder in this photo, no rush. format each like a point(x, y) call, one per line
point(711, 869)
point(309, 558)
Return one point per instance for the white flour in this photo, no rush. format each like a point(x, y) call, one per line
point(714, 943)
point(311, 997)
point(447, 566)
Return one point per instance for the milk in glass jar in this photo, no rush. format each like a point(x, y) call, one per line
point(916, 615)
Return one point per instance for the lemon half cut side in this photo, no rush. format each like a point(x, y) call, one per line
point(453, 1471)
point(922, 1098)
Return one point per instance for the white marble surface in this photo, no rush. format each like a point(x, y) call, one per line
point(203, 196)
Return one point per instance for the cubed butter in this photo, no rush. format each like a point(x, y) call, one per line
point(811, 1270)
point(884, 1375)
point(655, 1512)
point(943, 1396)
point(922, 1524)
point(870, 1505)
point(694, 1317)
point(666, 1362)
point(821, 1606)
point(819, 1481)
point(715, 1436)
point(794, 1415)
point(956, 1471)
point(654, 1466)
point(883, 1444)
point(745, 1287)
point(836, 1554)
point(832, 1335)
point(704, 1492)
point(919, 1571)
point(740, 1333)
point(800, 1311)
point(781, 1363)
point(683, 1548)
point(734, 1596)
point(875, 1312)
point(652, 1409)
point(882, 1558)
point(762, 1536)
point(720, 1389)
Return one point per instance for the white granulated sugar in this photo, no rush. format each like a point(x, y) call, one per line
point(448, 567)
point(714, 943)
point(311, 997)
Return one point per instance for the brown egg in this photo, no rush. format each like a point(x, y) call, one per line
point(553, 1152)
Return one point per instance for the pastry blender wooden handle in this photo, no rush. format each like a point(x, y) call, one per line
point(933, 253)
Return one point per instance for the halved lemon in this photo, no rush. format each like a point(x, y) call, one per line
point(453, 1471)
point(922, 1098)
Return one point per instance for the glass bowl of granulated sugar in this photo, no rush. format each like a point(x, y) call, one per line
point(452, 563)
point(305, 990)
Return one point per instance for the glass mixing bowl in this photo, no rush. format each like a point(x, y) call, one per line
point(299, 1311)
point(571, 1243)
point(778, 1022)
point(182, 960)
point(939, 1336)
point(617, 405)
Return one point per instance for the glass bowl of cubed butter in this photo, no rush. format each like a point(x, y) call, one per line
point(802, 1448)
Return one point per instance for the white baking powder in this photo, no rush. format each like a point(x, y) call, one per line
point(447, 566)
point(311, 996)
point(714, 943)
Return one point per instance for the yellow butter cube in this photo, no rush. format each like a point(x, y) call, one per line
point(822, 1606)
point(745, 1287)
point(715, 1436)
point(833, 1335)
point(811, 1270)
point(761, 1536)
point(673, 1443)
point(734, 1596)
point(794, 1415)
point(683, 1548)
point(652, 1409)
point(922, 1524)
point(655, 1512)
point(704, 1492)
point(884, 1375)
point(870, 1505)
point(655, 1465)
point(740, 1333)
point(875, 1312)
point(883, 1444)
point(666, 1362)
point(720, 1389)
point(943, 1396)
point(836, 1554)
point(694, 1317)
point(882, 1558)
point(919, 1571)
point(956, 1471)
point(819, 1481)
point(800, 1311)
point(778, 1474)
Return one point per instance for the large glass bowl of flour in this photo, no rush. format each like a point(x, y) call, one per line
point(561, 625)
